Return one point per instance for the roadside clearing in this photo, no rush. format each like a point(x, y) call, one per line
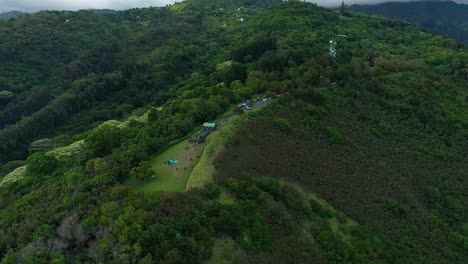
point(203, 173)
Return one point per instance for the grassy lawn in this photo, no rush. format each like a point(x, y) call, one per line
point(172, 178)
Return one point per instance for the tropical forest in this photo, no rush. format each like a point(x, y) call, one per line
point(231, 131)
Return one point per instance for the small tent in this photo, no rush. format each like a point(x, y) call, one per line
point(172, 162)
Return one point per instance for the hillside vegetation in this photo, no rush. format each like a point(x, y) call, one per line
point(11, 14)
point(362, 158)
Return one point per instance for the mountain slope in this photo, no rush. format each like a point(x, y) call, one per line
point(11, 14)
point(446, 17)
point(360, 158)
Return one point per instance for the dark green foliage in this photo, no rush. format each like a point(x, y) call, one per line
point(234, 71)
point(41, 164)
point(394, 207)
point(153, 115)
point(99, 181)
point(341, 175)
point(213, 191)
point(364, 248)
point(103, 139)
point(253, 49)
point(334, 136)
point(285, 216)
point(40, 257)
point(44, 232)
point(177, 241)
point(283, 125)
point(228, 222)
point(271, 186)
point(258, 237)
point(143, 172)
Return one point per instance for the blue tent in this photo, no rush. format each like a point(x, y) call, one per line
point(172, 162)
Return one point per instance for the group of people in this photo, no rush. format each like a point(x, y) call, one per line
point(187, 157)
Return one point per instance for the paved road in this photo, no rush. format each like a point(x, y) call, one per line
point(256, 105)
point(226, 119)
point(253, 107)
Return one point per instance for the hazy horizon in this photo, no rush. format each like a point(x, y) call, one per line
point(35, 6)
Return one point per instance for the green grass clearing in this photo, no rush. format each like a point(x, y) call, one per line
point(172, 178)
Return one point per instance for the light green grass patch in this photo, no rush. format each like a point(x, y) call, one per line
point(13, 176)
point(172, 178)
point(67, 151)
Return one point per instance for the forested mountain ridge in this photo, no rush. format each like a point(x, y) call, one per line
point(446, 17)
point(11, 14)
point(361, 158)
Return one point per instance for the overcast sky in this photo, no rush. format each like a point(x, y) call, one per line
point(36, 5)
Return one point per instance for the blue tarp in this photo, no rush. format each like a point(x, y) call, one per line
point(172, 162)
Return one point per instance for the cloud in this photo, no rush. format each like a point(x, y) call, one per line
point(37, 5)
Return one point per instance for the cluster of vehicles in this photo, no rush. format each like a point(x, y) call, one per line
point(244, 106)
point(256, 103)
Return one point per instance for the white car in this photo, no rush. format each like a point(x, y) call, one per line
point(264, 100)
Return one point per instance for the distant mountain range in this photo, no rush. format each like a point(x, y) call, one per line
point(102, 11)
point(15, 14)
point(445, 17)
point(11, 14)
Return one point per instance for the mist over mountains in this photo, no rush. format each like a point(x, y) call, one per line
point(10, 14)
point(445, 17)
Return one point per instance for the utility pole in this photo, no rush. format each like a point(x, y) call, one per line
point(332, 48)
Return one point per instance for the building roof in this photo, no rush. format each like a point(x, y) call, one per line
point(211, 125)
